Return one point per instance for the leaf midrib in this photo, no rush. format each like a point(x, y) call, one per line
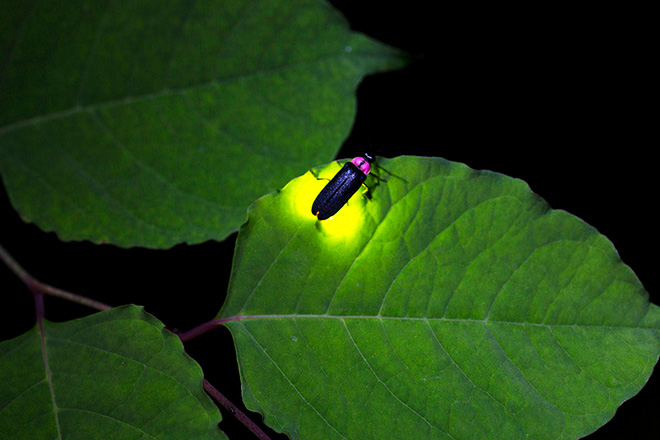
point(420, 319)
point(49, 376)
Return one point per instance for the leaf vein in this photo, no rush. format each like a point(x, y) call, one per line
point(368, 364)
point(458, 367)
point(291, 384)
point(522, 374)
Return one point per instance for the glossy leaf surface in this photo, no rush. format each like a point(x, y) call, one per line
point(113, 375)
point(153, 123)
point(454, 305)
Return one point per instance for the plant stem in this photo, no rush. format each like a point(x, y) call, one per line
point(199, 330)
point(39, 308)
point(35, 285)
point(211, 325)
point(240, 415)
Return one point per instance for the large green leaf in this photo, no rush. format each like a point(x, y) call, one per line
point(153, 123)
point(116, 374)
point(454, 305)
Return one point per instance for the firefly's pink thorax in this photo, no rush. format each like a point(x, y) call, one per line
point(362, 164)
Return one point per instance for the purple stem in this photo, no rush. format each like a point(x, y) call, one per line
point(37, 286)
point(208, 326)
point(240, 415)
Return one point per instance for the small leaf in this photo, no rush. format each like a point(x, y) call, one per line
point(453, 305)
point(115, 374)
point(155, 123)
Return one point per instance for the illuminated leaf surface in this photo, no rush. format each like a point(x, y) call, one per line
point(454, 305)
point(153, 123)
point(113, 375)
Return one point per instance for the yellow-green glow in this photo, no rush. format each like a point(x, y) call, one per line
point(300, 193)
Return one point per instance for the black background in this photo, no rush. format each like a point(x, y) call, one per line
point(558, 97)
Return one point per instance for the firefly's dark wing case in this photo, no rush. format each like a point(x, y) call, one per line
point(337, 192)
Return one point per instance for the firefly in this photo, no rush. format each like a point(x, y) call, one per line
point(342, 187)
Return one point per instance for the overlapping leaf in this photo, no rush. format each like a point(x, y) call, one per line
point(454, 305)
point(115, 374)
point(153, 123)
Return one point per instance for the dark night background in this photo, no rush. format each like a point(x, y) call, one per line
point(557, 97)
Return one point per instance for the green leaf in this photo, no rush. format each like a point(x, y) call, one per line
point(112, 375)
point(453, 305)
point(154, 123)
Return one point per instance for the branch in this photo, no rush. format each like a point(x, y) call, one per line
point(240, 415)
point(35, 285)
